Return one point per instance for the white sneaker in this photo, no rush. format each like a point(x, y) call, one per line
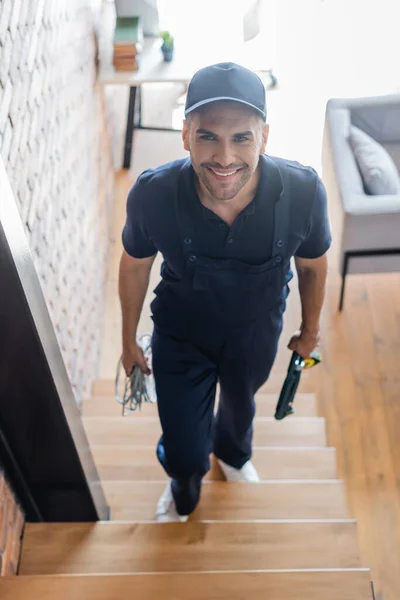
point(246, 473)
point(166, 509)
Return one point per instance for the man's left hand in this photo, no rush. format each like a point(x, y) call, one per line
point(304, 342)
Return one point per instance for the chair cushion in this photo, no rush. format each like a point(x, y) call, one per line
point(378, 170)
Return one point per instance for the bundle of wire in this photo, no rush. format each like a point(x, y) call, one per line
point(138, 387)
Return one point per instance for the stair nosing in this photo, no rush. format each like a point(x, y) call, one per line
point(112, 396)
point(156, 419)
point(212, 482)
point(273, 448)
point(177, 573)
point(118, 522)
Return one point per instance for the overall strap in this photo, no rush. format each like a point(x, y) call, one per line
point(281, 212)
point(186, 229)
point(185, 223)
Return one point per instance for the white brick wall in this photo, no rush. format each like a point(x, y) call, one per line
point(56, 144)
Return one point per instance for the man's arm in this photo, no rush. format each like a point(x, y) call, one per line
point(312, 275)
point(134, 276)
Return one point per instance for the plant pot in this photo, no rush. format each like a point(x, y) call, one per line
point(168, 53)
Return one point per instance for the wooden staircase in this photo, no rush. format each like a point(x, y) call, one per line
point(289, 537)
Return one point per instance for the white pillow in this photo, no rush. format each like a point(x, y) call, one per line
point(379, 172)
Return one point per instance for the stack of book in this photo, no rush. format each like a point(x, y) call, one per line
point(128, 38)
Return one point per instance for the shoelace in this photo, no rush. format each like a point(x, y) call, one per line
point(138, 387)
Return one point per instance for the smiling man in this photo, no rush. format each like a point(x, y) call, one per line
point(227, 221)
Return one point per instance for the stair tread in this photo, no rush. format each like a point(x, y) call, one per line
point(130, 500)
point(140, 463)
point(303, 585)
point(305, 405)
point(292, 431)
point(300, 585)
point(55, 548)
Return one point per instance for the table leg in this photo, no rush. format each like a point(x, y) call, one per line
point(139, 124)
point(130, 125)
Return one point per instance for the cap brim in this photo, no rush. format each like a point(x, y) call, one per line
point(210, 100)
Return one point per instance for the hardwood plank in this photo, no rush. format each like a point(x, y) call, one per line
point(292, 431)
point(385, 317)
point(140, 463)
point(222, 501)
point(305, 585)
point(107, 406)
point(54, 548)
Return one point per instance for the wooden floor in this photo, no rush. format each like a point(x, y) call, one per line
point(359, 393)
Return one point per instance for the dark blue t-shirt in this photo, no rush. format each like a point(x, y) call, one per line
point(151, 223)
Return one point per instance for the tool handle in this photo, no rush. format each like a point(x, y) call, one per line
point(290, 385)
point(296, 366)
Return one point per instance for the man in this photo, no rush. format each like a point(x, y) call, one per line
point(227, 222)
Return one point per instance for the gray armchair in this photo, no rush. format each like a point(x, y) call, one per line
point(367, 227)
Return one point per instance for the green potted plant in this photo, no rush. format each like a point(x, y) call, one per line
point(167, 47)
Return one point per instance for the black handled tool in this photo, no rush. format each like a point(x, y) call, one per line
point(291, 383)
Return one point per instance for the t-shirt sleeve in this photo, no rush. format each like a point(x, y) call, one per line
point(319, 237)
point(135, 237)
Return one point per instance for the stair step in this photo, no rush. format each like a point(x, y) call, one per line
point(106, 387)
point(106, 406)
point(56, 548)
point(122, 463)
point(292, 431)
point(265, 585)
point(222, 501)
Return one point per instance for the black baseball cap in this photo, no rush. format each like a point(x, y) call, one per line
point(226, 81)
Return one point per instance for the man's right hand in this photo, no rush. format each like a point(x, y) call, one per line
point(133, 356)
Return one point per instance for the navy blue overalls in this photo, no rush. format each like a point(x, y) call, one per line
point(220, 324)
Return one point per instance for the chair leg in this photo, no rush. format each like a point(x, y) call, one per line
point(342, 293)
point(344, 275)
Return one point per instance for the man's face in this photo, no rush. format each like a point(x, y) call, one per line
point(225, 140)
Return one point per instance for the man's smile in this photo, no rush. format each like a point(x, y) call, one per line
point(224, 175)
